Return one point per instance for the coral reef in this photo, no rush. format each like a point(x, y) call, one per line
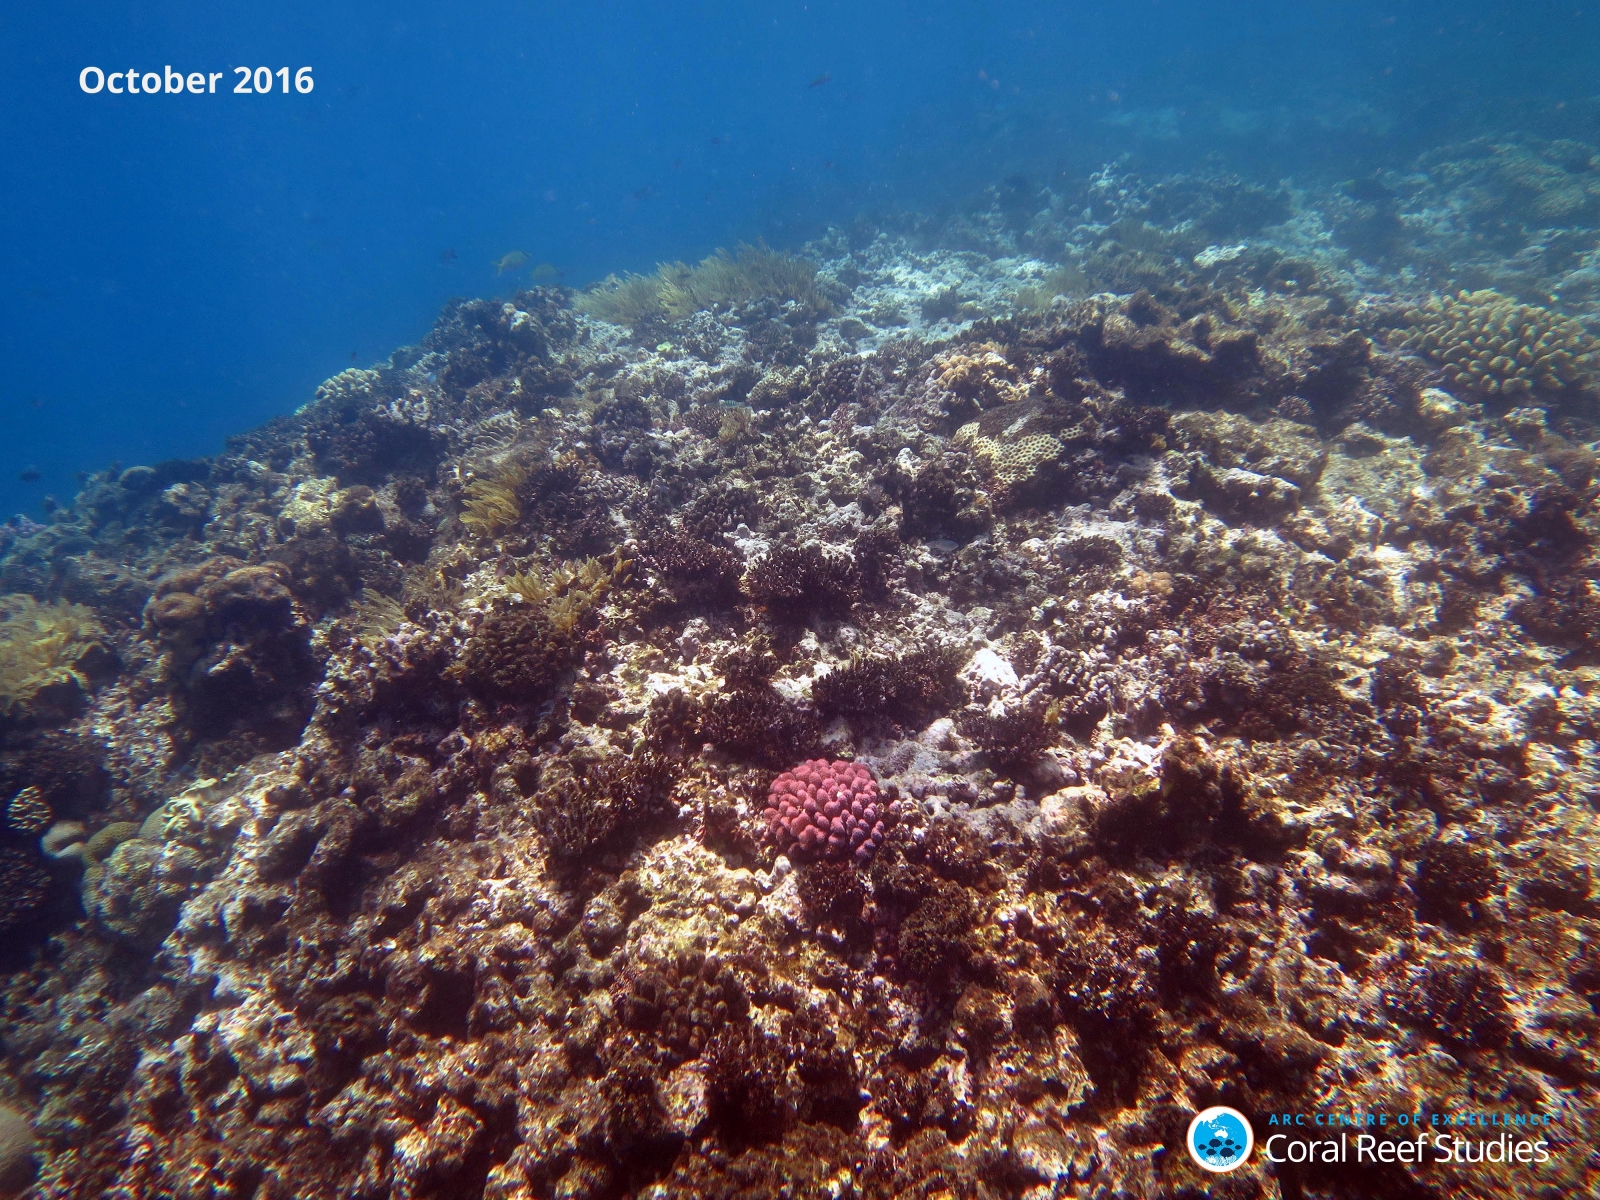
point(1194, 680)
point(50, 655)
point(1488, 344)
point(28, 812)
point(907, 688)
point(492, 504)
point(237, 657)
point(677, 291)
point(825, 809)
point(793, 583)
point(23, 883)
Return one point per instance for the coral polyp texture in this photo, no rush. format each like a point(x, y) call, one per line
point(847, 723)
point(823, 809)
point(1488, 344)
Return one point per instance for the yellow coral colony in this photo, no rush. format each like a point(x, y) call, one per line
point(41, 645)
point(1489, 344)
point(677, 290)
point(567, 594)
point(492, 504)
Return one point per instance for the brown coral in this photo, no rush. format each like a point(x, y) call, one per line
point(29, 812)
point(1490, 345)
point(48, 654)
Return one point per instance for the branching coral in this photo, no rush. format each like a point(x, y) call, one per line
point(910, 687)
point(521, 651)
point(23, 885)
point(493, 502)
point(691, 573)
point(612, 799)
point(43, 651)
point(794, 582)
point(758, 724)
point(1014, 739)
point(677, 290)
point(1489, 344)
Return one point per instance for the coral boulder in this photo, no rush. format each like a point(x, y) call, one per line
point(824, 809)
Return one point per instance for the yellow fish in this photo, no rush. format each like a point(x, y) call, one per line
point(546, 273)
point(510, 262)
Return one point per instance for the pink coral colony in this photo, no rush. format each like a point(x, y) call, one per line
point(823, 809)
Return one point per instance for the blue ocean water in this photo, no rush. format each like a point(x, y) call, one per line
point(182, 267)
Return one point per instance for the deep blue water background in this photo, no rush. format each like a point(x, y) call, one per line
point(178, 268)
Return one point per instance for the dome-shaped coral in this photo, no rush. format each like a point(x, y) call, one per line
point(1489, 344)
point(825, 809)
point(28, 812)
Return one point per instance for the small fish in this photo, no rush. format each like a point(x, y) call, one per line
point(354, 356)
point(510, 262)
point(29, 475)
point(718, 140)
point(820, 80)
point(448, 256)
point(646, 193)
point(546, 273)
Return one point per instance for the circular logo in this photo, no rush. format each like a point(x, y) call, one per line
point(1220, 1138)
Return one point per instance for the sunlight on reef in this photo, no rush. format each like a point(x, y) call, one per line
point(915, 716)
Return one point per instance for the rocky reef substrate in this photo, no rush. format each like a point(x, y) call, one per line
point(387, 797)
